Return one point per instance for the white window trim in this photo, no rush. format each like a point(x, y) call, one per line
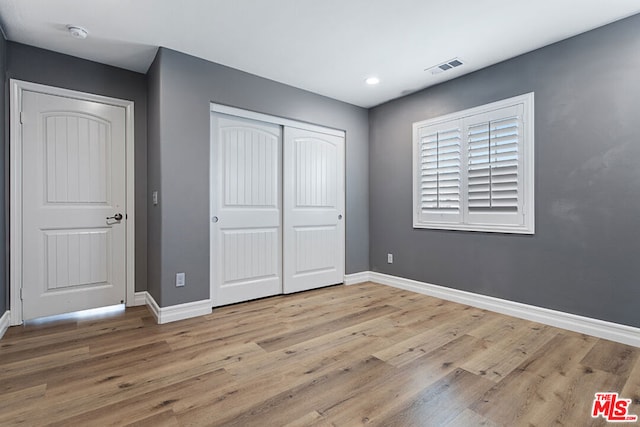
point(528, 168)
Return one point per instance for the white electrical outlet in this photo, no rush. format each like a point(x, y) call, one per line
point(389, 258)
point(180, 282)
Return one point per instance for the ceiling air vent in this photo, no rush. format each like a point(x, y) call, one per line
point(450, 64)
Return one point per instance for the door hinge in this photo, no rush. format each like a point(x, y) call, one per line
point(21, 117)
point(21, 297)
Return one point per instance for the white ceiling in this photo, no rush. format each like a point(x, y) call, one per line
point(324, 46)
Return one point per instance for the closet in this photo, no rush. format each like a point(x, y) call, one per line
point(277, 206)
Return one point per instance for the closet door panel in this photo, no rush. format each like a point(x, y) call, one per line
point(313, 207)
point(246, 233)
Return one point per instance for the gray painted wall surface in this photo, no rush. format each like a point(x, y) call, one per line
point(583, 258)
point(54, 69)
point(4, 134)
point(154, 213)
point(187, 86)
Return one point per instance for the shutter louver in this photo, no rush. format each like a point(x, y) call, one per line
point(440, 166)
point(493, 158)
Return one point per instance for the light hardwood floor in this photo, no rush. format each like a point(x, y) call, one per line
point(344, 356)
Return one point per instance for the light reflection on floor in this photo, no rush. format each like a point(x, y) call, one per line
point(94, 313)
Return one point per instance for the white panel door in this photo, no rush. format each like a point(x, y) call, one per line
point(245, 208)
point(73, 175)
point(313, 210)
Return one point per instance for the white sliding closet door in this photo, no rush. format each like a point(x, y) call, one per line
point(313, 208)
point(245, 206)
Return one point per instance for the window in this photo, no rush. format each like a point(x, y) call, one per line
point(473, 170)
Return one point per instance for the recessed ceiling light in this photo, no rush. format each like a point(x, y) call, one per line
point(77, 32)
point(372, 80)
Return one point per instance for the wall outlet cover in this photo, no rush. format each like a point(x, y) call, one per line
point(180, 280)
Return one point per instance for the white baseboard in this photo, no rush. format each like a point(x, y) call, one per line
point(355, 278)
point(139, 298)
point(177, 312)
point(5, 322)
point(585, 325)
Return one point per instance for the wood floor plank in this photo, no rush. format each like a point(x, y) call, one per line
point(440, 403)
point(298, 401)
point(403, 385)
point(317, 355)
point(75, 371)
point(311, 419)
point(468, 418)
point(570, 402)
point(608, 356)
point(279, 371)
point(631, 388)
point(432, 312)
point(495, 327)
point(163, 419)
point(237, 334)
point(143, 408)
point(341, 356)
point(11, 403)
point(538, 390)
point(238, 396)
point(275, 372)
point(72, 399)
point(446, 331)
point(43, 361)
point(300, 335)
point(161, 369)
point(498, 360)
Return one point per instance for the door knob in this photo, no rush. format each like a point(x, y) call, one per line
point(117, 217)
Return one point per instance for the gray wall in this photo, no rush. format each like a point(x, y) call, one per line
point(583, 258)
point(54, 69)
point(4, 182)
point(154, 217)
point(183, 86)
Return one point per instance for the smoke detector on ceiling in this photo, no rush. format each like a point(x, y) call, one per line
point(77, 32)
point(445, 66)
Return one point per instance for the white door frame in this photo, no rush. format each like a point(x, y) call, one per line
point(15, 187)
point(247, 114)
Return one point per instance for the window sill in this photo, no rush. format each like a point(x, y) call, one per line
point(485, 228)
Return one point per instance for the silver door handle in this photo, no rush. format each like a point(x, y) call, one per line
point(117, 217)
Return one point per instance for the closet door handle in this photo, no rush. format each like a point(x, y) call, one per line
point(117, 217)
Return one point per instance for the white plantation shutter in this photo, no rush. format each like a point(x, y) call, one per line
point(494, 157)
point(473, 170)
point(439, 166)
